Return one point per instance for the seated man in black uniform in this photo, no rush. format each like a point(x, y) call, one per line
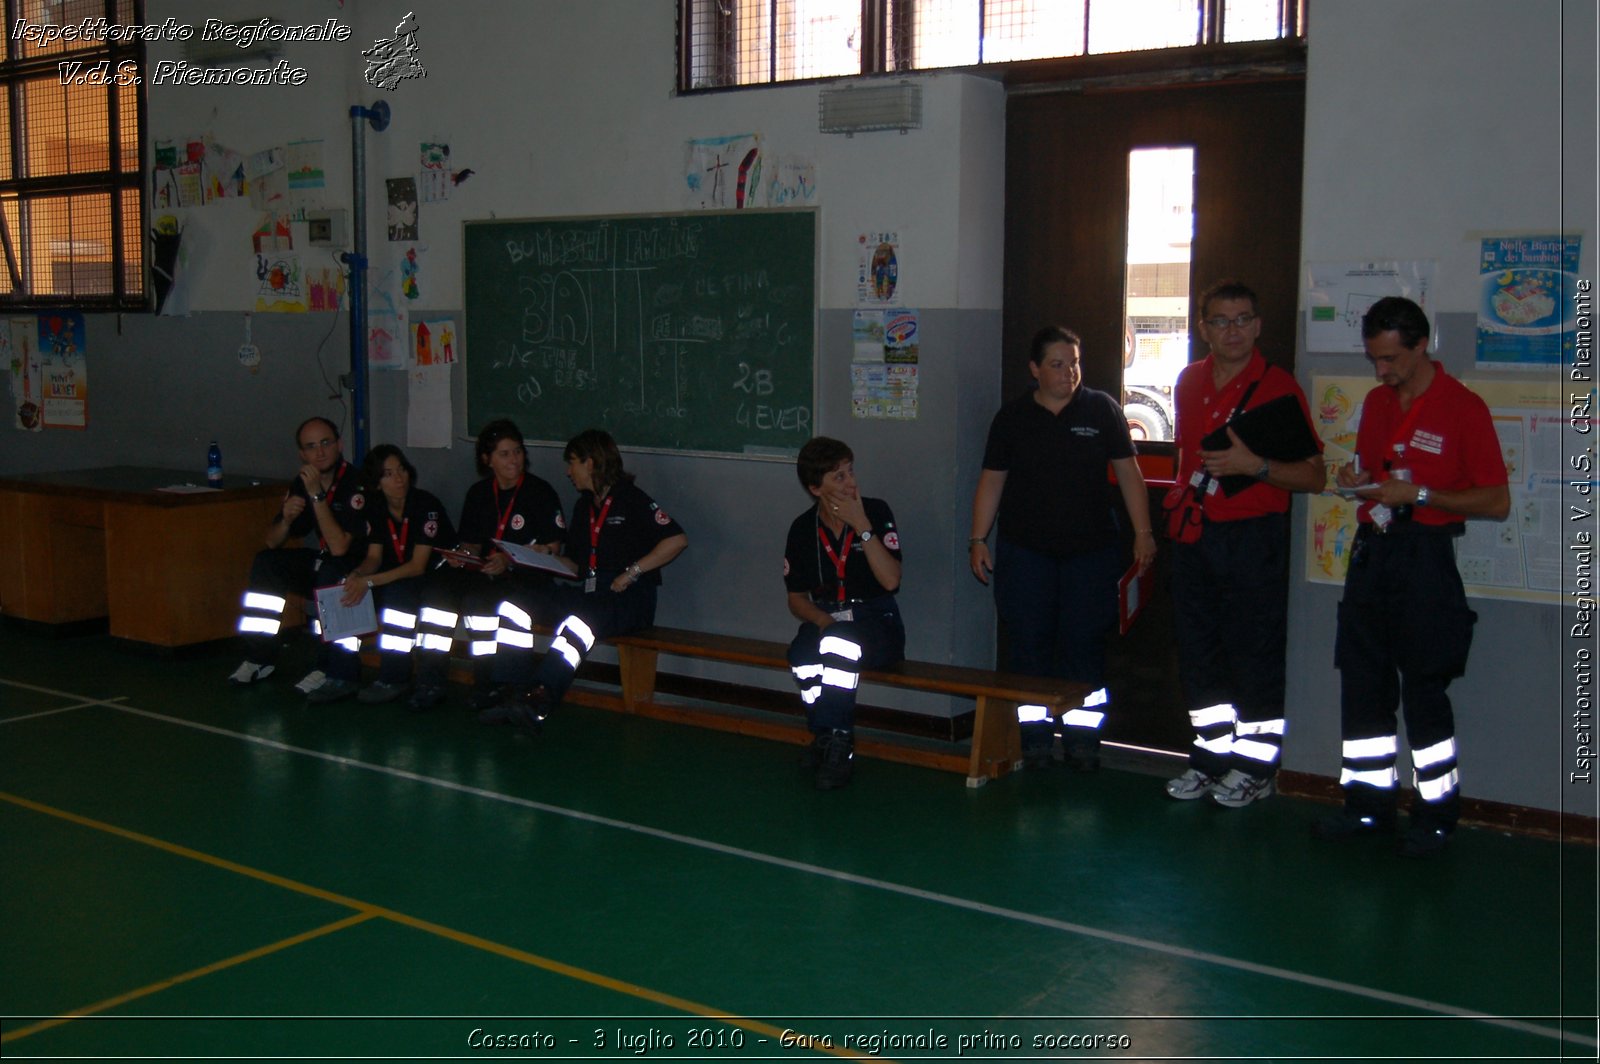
point(327, 498)
point(841, 568)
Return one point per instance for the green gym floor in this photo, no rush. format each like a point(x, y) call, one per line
point(193, 871)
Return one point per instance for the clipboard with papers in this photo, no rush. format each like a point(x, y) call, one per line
point(532, 559)
point(1277, 429)
point(467, 559)
point(339, 621)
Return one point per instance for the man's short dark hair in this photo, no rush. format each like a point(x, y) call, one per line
point(1052, 334)
point(1396, 314)
point(820, 456)
point(1228, 288)
point(312, 421)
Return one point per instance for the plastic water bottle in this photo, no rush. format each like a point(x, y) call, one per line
point(214, 466)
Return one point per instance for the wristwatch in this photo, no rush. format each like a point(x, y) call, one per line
point(1265, 471)
point(320, 496)
point(866, 536)
point(1422, 496)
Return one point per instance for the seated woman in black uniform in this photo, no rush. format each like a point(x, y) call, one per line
point(508, 504)
point(841, 568)
point(401, 534)
point(617, 542)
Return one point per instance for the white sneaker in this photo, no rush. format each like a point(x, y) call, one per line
point(248, 673)
point(1191, 785)
point(311, 681)
point(1238, 789)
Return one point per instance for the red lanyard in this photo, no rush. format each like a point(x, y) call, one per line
point(331, 489)
point(500, 529)
point(1403, 432)
point(596, 523)
point(841, 559)
point(400, 540)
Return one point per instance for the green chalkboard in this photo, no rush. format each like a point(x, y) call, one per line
point(687, 332)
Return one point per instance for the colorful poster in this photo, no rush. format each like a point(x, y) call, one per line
point(384, 350)
point(878, 271)
point(1526, 301)
point(62, 359)
point(19, 346)
point(1519, 558)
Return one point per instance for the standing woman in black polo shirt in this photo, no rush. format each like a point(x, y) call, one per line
point(617, 542)
point(841, 568)
point(1059, 553)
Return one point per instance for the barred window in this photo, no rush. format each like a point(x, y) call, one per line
point(726, 43)
point(71, 185)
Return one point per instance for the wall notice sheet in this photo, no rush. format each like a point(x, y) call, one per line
point(1518, 558)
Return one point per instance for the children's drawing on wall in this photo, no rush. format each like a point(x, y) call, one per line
point(305, 176)
point(788, 181)
point(410, 268)
point(384, 330)
point(720, 173)
point(62, 360)
point(402, 208)
point(878, 273)
point(434, 180)
point(224, 172)
point(428, 407)
point(269, 180)
point(272, 234)
point(280, 284)
point(19, 349)
point(324, 287)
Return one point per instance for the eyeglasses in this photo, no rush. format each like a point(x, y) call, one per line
point(1241, 322)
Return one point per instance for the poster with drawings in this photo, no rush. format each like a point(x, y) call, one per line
point(64, 364)
point(20, 348)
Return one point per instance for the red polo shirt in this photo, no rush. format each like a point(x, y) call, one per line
point(1446, 438)
point(1202, 408)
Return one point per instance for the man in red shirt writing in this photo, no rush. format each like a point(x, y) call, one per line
point(1427, 458)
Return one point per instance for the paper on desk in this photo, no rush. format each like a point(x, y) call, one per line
point(340, 621)
point(532, 559)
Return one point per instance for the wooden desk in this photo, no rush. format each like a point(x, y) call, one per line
point(166, 568)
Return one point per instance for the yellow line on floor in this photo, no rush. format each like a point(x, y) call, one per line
point(155, 988)
point(366, 911)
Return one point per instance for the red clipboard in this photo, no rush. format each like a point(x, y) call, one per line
point(1132, 592)
point(469, 561)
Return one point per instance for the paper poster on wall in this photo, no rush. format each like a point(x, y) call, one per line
point(1339, 293)
point(1519, 558)
point(63, 361)
point(224, 172)
point(878, 267)
point(385, 349)
point(269, 180)
point(402, 192)
point(410, 271)
point(432, 344)
point(19, 346)
point(883, 392)
point(324, 287)
point(304, 176)
point(789, 181)
point(1526, 301)
point(280, 284)
point(722, 173)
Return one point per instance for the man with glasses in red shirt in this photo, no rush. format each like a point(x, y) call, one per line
point(1427, 458)
point(1230, 564)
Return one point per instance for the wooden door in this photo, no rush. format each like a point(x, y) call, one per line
point(1066, 240)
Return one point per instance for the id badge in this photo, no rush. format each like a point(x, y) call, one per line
point(843, 615)
point(588, 584)
point(1381, 516)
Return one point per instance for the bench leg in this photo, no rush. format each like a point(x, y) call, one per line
point(996, 743)
point(638, 668)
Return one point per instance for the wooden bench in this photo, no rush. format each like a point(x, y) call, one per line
point(996, 743)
